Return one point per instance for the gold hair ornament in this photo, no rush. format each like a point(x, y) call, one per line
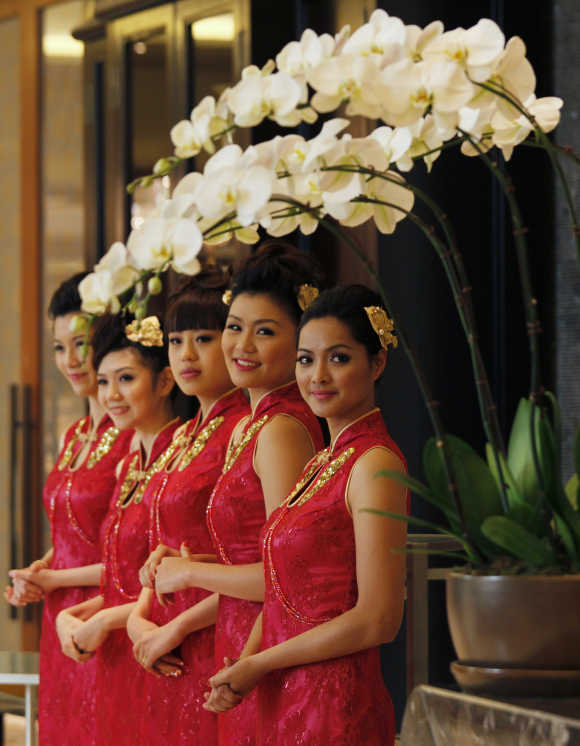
point(306, 295)
point(382, 325)
point(146, 332)
point(227, 297)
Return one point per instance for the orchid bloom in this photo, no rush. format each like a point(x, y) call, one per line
point(507, 133)
point(96, 291)
point(161, 241)
point(117, 262)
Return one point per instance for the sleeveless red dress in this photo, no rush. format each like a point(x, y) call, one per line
point(176, 515)
point(125, 547)
point(310, 572)
point(76, 502)
point(235, 515)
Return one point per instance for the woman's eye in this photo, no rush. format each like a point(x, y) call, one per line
point(233, 327)
point(304, 360)
point(58, 348)
point(204, 339)
point(339, 357)
point(80, 343)
point(265, 331)
point(101, 381)
point(174, 341)
point(126, 377)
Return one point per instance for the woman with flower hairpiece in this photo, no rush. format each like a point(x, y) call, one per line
point(135, 384)
point(76, 498)
point(334, 585)
point(267, 453)
point(176, 500)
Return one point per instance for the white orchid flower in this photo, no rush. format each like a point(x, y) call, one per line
point(162, 240)
point(425, 138)
point(476, 123)
point(96, 291)
point(235, 182)
point(418, 39)
point(258, 96)
point(382, 39)
point(117, 262)
point(347, 77)
point(190, 136)
point(476, 49)
point(507, 133)
point(410, 89)
point(298, 57)
point(400, 201)
point(515, 74)
point(394, 142)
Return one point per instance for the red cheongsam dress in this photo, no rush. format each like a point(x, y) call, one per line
point(125, 546)
point(310, 572)
point(76, 498)
point(177, 514)
point(236, 514)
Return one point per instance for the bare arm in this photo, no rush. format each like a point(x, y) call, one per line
point(376, 617)
point(239, 581)
point(283, 448)
point(48, 580)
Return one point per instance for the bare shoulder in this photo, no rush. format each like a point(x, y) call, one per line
point(365, 479)
point(283, 426)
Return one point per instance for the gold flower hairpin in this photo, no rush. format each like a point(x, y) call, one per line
point(306, 295)
point(382, 325)
point(227, 297)
point(146, 332)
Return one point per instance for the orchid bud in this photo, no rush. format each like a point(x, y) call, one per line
point(154, 286)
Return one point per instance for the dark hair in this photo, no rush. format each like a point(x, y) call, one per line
point(277, 269)
point(347, 304)
point(197, 302)
point(109, 336)
point(66, 298)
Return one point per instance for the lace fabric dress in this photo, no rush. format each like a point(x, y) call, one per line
point(177, 514)
point(76, 498)
point(125, 547)
point(310, 573)
point(236, 514)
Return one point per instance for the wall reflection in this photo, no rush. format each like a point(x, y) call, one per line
point(62, 234)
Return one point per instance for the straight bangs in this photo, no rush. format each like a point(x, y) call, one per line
point(199, 310)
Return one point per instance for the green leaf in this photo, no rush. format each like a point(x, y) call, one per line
point(520, 457)
point(572, 489)
point(518, 541)
point(423, 491)
point(528, 517)
point(556, 420)
point(514, 497)
point(476, 486)
point(567, 538)
point(576, 452)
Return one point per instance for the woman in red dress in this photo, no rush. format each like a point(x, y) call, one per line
point(178, 497)
point(334, 585)
point(135, 383)
point(267, 453)
point(76, 497)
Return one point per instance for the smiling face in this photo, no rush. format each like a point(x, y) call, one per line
point(71, 356)
point(334, 372)
point(197, 363)
point(130, 392)
point(259, 344)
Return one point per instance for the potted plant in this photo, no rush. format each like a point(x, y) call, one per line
point(516, 524)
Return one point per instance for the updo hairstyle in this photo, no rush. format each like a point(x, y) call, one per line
point(277, 269)
point(347, 304)
point(109, 336)
point(66, 298)
point(197, 302)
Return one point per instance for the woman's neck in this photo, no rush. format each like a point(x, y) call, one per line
point(207, 402)
point(96, 411)
point(148, 432)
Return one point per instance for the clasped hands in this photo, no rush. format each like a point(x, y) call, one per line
point(29, 584)
point(230, 685)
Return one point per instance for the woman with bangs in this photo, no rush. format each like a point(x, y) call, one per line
point(76, 497)
point(177, 499)
point(135, 385)
point(268, 452)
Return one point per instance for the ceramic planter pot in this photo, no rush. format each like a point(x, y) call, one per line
point(530, 622)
